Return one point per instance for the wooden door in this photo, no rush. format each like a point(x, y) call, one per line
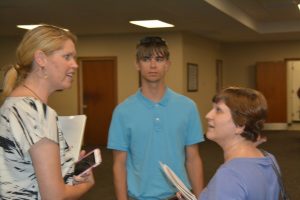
point(271, 80)
point(99, 97)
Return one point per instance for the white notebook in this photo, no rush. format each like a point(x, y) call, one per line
point(73, 131)
point(175, 180)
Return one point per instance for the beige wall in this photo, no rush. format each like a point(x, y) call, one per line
point(8, 47)
point(240, 59)
point(238, 63)
point(123, 47)
point(204, 53)
point(120, 46)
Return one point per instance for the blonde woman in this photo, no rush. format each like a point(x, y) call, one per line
point(35, 159)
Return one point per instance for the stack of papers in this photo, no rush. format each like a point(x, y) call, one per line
point(174, 179)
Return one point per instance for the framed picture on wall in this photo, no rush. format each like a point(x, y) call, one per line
point(192, 77)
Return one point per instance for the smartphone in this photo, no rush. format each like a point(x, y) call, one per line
point(90, 160)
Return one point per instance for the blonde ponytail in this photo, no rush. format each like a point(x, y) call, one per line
point(9, 81)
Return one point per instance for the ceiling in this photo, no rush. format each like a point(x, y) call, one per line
point(221, 20)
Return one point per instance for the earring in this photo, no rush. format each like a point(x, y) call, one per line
point(45, 74)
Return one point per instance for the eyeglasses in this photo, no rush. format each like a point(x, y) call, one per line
point(152, 40)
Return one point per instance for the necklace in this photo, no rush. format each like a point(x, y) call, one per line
point(35, 94)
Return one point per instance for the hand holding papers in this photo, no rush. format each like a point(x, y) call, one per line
point(186, 193)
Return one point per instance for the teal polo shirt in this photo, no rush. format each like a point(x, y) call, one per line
point(151, 132)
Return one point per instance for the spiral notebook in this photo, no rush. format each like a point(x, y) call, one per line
point(175, 180)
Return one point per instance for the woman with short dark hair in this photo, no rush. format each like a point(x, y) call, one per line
point(235, 123)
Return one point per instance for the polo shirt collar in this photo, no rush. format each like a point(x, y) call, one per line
point(163, 102)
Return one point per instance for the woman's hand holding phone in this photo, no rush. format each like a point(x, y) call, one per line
point(83, 167)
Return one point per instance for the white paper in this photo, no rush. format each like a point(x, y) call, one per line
point(175, 180)
point(73, 131)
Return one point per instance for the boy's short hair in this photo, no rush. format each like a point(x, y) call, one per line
point(150, 46)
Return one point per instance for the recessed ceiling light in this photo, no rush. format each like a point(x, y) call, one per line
point(29, 27)
point(152, 23)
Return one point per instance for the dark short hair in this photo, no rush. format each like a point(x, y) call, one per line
point(152, 45)
point(248, 108)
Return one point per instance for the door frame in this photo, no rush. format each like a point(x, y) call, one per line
point(289, 89)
